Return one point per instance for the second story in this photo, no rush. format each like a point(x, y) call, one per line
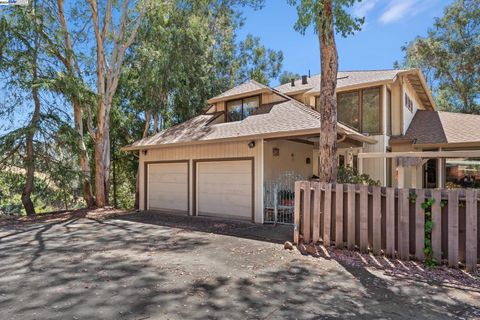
point(381, 102)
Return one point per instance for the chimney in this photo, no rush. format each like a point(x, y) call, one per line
point(304, 79)
point(293, 82)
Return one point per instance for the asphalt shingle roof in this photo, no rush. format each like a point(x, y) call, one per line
point(439, 127)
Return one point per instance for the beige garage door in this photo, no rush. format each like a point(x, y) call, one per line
point(224, 188)
point(168, 187)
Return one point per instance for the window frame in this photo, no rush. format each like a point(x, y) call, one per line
point(360, 108)
point(241, 99)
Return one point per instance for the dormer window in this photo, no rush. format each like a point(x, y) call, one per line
point(240, 109)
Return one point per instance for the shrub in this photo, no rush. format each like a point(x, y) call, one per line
point(350, 175)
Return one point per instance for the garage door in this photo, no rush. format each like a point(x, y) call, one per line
point(168, 187)
point(224, 188)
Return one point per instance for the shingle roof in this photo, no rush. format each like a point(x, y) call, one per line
point(284, 117)
point(248, 86)
point(439, 127)
point(345, 79)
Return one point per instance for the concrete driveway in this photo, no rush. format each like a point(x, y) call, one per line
point(140, 267)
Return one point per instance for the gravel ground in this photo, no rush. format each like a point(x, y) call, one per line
point(115, 265)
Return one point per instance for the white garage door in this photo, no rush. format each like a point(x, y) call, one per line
point(224, 188)
point(168, 187)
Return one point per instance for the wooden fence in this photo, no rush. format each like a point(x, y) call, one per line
point(390, 220)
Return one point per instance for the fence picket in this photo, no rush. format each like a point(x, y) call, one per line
point(403, 225)
point(351, 217)
point(307, 192)
point(363, 218)
point(296, 215)
point(327, 215)
point(419, 224)
point(339, 216)
point(453, 228)
point(437, 225)
point(471, 230)
point(316, 213)
point(390, 222)
point(377, 220)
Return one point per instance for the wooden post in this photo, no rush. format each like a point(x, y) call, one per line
point(390, 222)
point(471, 230)
point(327, 215)
point(296, 214)
point(400, 177)
point(419, 225)
point(339, 216)
point(360, 165)
point(307, 193)
point(377, 220)
point(413, 177)
point(453, 228)
point(364, 218)
point(316, 213)
point(351, 217)
point(437, 225)
point(403, 225)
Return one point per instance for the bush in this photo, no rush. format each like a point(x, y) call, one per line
point(350, 175)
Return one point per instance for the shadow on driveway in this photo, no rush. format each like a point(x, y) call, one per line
point(264, 232)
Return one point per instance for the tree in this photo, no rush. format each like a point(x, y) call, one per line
point(287, 76)
point(111, 46)
point(450, 56)
point(327, 16)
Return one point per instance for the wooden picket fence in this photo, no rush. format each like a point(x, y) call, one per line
point(389, 221)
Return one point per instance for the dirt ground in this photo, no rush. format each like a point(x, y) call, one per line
point(116, 265)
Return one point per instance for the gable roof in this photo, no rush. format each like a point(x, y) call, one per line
point(286, 118)
point(250, 86)
point(344, 79)
point(440, 127)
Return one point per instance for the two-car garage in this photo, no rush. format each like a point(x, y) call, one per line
point(219, 187)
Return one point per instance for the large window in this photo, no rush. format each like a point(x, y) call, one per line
point(240, 109)
point(361, 110)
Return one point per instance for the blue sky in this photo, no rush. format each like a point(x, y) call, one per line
point(389, 25)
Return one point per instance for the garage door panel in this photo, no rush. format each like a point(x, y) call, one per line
point(224, 188)
point(168, 186)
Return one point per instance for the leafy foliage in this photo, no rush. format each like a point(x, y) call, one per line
point(347, 174)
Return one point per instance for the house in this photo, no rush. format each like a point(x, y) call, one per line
point(252, 136)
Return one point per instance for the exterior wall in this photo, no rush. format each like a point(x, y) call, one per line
point(417, 104)
point(376, 168)
point(209, 151)
point(275, 165)
point(407, 170)
point(271, 98)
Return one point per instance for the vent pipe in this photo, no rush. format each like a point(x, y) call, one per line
point(293, 82)
point(304, 79)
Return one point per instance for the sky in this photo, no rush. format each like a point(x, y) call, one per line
point(389, 25)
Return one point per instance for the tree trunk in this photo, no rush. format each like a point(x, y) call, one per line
point(137, 184)
point(328, 98)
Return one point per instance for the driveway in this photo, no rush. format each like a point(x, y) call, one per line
point(138, 266)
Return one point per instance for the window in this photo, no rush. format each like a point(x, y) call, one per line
point(371, 110)
point(361, 110)
point(408, 103)
point(463, 173)
point(240, 109)
point(348, 109)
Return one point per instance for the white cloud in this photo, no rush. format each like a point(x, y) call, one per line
point(360, 9)
point(397, 10)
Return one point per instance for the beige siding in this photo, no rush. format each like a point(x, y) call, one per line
point(209, 151)
point(376, 168)
point(271, 98)
point(417, 104)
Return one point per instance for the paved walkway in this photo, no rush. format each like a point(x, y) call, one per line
point(139, 267)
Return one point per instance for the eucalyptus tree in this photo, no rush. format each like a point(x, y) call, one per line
point(327, 16)
point(450, 54)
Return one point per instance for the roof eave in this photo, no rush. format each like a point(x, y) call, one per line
point(239, 95)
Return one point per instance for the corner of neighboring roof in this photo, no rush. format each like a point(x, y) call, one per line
point(223, 97)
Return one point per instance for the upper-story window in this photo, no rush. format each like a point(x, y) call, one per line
point(242, 108)
point(361, 110)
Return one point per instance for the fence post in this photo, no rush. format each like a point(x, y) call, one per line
point(437, 225)
point(471, 230)
point(419, 224)
point(316, 213)
point(453, 228)
point(403, 225)
point(351, 217)
point(296, 214)
point(377, 220)
point(327, 214)
point(363, 218)
point(307, 193)
point(339, 216)
point(390, 222)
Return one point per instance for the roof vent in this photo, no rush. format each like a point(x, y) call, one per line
point(304, 79)
point(293, 82)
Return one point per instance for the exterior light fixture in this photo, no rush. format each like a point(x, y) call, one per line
point(251, 144)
